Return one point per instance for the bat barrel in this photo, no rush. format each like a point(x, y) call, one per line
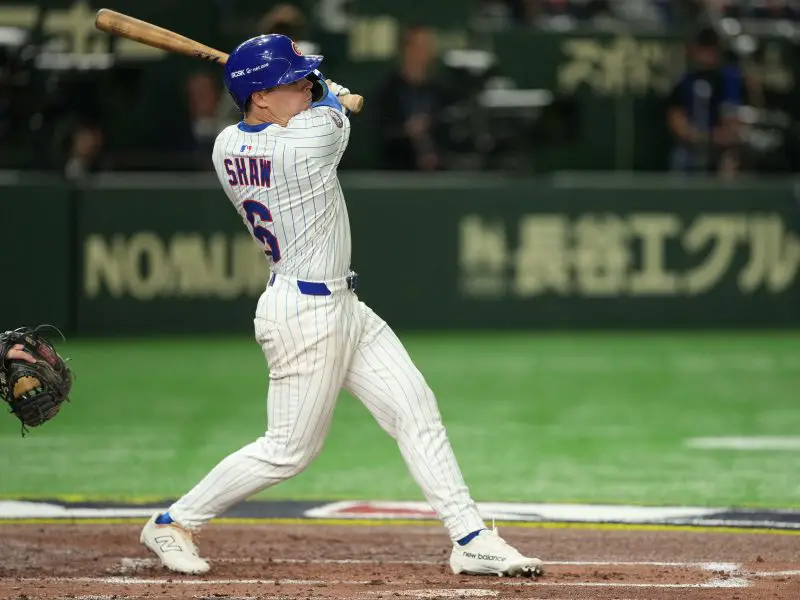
point(143, 32)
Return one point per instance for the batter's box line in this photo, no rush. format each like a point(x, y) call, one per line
point(437, 593)
point(130, 564)
point(732, 582)
point(730, 569)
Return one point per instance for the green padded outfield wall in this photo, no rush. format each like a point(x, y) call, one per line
point(37, 256)
point(458, 253)
point(165, 257)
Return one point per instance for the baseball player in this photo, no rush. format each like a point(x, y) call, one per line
point(278, 168)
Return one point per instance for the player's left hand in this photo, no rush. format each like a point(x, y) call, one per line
point(317, 92)
point(17, 352)
point(337, 89)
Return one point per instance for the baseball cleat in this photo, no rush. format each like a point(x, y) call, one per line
point(174, 546)
point(489, 554)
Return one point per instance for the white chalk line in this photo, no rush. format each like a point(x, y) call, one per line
point(441, 593)
point(746, 443)
point(732, 570)
point(128, 565)
point(131, 564)
point(732, 582)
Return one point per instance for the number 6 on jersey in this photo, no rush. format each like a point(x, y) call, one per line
point(255, 209)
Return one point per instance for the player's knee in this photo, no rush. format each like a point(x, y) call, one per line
point(289, 458)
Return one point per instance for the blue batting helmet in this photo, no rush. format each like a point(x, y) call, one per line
point(264, 62)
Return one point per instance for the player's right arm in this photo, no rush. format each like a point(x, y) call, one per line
point(326, 117)
point(317, 137)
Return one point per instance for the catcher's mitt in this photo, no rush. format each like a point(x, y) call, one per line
point(34, 391)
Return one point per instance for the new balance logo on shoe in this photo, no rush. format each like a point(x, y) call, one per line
point(167, 543)
point(484, 556)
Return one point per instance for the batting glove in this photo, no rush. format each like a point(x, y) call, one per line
point(337, 89)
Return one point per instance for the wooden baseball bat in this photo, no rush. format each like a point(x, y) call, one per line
point(152, 35)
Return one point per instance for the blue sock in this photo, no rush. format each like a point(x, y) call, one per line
point(468, 538)
point(164, 519)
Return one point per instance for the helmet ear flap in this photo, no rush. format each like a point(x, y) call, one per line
point(319, 88)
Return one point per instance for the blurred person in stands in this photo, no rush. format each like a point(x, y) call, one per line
point(498, 15)
point(681, 14)
point(84, 152)
point(639, 12)
point(408, 104)
point(203, 95)
point(765, 9)
point(578, 10)
point(702, 113)
point(287, 19)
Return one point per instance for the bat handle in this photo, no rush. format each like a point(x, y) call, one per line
point(352, 102)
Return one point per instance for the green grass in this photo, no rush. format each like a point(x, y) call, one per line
point(532, 417)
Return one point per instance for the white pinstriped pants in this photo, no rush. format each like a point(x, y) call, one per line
point(314, 346)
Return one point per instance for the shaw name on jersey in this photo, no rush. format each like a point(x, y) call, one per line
point(248, 171)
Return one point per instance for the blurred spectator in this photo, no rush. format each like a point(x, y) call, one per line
point(496, 15)
point(563, 12)
point(703, 106)
point(289, 20)
point(184, 138)
point(758, 9)
point(203, 94)
point(636, 12)
point(576, 11)
point(604, 14)
point(681, 14)
point(85, 152)
point(408, 104)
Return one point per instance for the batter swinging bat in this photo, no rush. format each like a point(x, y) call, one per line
point(158, 37)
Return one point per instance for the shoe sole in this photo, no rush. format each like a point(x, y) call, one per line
point(523, 571)
point(514, 571)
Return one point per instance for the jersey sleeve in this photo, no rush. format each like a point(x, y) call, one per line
point(323, 116)
point(317, 133)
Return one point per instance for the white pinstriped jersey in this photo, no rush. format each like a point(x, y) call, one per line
point(318, 339)
point(283, 183)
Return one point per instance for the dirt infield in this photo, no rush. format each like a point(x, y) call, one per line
point(314, 561)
